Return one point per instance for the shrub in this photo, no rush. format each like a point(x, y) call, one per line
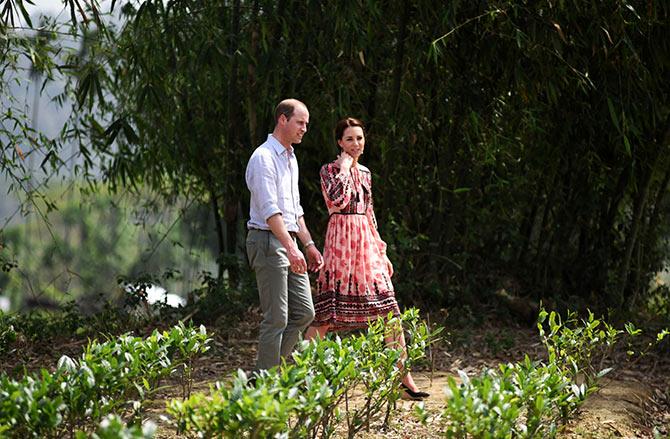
point(530, 399)
point(116, 375)
point(302, 399)
point(113, 427)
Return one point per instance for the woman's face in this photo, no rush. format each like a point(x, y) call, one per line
point(352, 141)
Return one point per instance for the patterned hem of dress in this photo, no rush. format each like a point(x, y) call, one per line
point(335, 325)
point(343, 311)
point(330, 296)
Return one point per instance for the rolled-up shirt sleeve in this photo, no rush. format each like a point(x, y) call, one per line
point(262, 182)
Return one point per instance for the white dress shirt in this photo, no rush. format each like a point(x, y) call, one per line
point(272, 179)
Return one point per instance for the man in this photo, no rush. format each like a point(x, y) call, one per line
point(276, 220)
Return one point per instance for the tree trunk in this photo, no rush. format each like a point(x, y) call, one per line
point(543, 227)
point(646, 241)
point(663, 188)
point(399, 57)
point(526, 229)
point(605, 237)
point(232, 146)
point(252, 102)
point(638, 209)
point(219, 234)
point(658, 202)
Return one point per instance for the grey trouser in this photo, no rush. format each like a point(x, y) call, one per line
point(285, 297)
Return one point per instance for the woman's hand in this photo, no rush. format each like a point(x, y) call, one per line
point(314, 258)
point(344, 161)
point(389, 265)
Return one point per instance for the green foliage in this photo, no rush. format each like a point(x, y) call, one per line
point(579, 346)
point(301, 399)
point(514, 140)
point(7, 334)
point(475, 179)
point(518, 400)
point(94, 239)
point(46, 327)
point(35, 58)
point(113, 427)
point(115, 376)
point(531, 398)
point(658, 302)
point(217, 300)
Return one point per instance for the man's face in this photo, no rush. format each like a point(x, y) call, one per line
point(296, 126)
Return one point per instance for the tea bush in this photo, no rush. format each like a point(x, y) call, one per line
point(301, 399)
point(114, 376)
point(113, 427)
point(43, 327)
point(580, 347)
point(531, 399)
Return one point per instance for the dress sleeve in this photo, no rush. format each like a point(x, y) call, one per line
point(336, 188)
point(372, 219)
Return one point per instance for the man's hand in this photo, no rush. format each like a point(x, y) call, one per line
point(314, 257)
point(296, 259)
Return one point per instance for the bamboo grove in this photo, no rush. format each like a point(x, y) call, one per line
point(513, 143)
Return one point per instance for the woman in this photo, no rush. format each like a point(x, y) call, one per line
point(354, 284)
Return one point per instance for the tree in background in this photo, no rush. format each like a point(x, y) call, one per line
point(99, 239)
point(513, 144)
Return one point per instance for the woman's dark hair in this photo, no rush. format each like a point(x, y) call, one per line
point(345, 123)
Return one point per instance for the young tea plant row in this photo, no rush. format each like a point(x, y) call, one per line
point(303, 399)
point(116, 376)
point(532, 399)
point(308, 398)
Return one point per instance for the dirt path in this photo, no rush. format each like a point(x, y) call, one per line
point(617, 410)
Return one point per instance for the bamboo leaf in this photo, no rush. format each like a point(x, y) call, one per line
point(613, 115)
point(24, 12)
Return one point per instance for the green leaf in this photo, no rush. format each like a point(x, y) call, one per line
point(24, 12)
point(613, 115)
point(626, 144)
point(604, 372)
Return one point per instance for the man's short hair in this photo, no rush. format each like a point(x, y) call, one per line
point(287, 107)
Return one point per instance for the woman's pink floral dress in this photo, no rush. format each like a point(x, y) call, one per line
point(354, 285)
